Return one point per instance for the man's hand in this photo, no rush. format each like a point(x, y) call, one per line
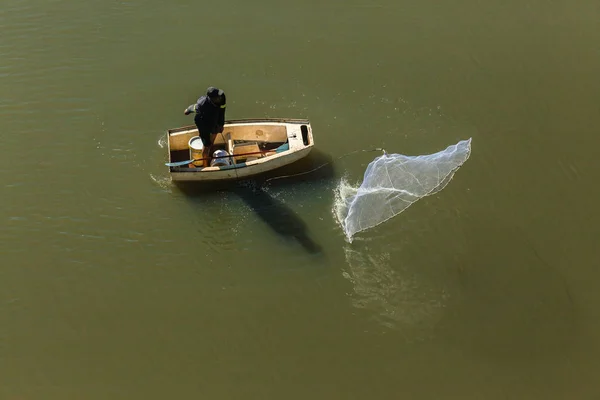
point(186, 111)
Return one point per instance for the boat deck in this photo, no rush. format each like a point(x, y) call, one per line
point(239, 154)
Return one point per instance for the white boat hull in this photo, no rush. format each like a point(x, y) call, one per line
point(297, 135)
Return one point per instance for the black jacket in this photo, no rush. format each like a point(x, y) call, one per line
point(210, 117)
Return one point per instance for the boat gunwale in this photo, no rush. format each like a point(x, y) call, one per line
point(250, 121)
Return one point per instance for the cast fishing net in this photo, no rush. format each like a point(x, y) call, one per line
point(392, 182)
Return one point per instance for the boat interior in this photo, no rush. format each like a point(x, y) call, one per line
point(242, 143)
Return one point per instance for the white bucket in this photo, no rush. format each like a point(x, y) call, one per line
point(196, 147)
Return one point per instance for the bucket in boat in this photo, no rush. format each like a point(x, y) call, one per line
point(220, 159)
point(196, 147)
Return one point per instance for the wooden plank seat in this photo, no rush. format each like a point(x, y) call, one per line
point(240, 152)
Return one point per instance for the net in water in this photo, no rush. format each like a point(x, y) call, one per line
point(392, 182)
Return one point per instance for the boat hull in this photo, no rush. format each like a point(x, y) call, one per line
point(237, 171)
point(294, 135)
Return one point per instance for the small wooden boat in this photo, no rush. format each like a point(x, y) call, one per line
point(249, 147)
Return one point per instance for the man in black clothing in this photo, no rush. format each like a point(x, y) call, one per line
point(209, 118)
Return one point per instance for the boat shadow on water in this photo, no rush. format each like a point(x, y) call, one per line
point(277, 215)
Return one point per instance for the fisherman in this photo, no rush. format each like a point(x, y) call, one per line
point(209, 118)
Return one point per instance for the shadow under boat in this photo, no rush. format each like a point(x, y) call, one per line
point(279, 217)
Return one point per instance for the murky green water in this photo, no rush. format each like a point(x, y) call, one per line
point(114, 283)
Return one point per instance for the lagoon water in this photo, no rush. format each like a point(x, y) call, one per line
point(115, 283)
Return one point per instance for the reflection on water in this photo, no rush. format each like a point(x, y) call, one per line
point(396, 296)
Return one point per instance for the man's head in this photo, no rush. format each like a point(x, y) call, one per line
point(215, 95)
